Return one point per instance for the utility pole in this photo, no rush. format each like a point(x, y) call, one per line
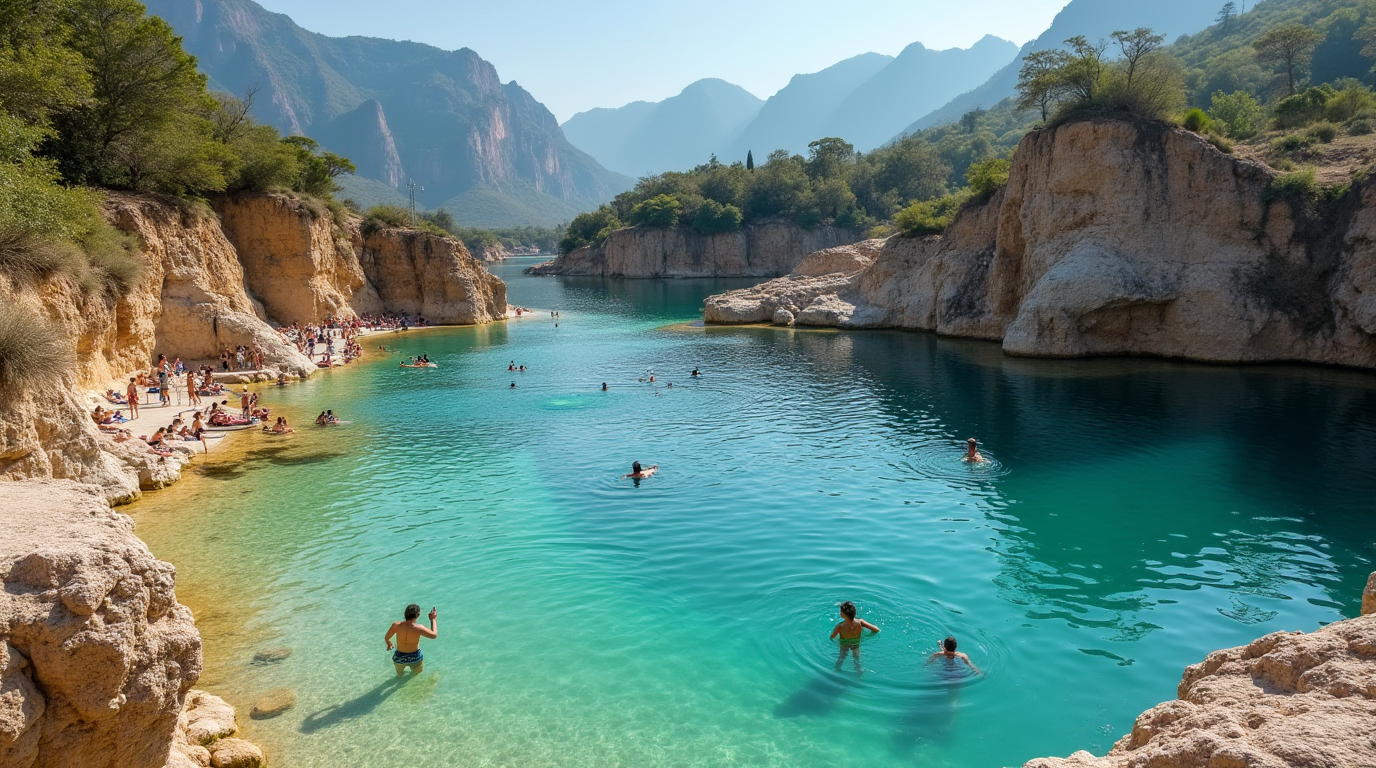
point(413, 187)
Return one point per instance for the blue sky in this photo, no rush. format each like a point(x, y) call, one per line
point(574, 55)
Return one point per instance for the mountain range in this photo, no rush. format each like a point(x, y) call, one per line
point(485, 150)
point(871, 99)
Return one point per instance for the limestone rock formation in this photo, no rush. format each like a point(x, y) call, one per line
point(766, 249)
point(1116, 238)
point(296, 261)
point(96, 655)
point(1369, 596)
point(1288, 700)
point(432, 277)
point(191, 302)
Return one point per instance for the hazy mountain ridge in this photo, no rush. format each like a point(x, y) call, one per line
point(680, 131)
point(400, 110)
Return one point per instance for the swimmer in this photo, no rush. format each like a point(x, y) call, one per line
point(696, 373)
point(408, 634)
point(513, 385)
point(850, 631)
point(948, 652)
point(640, 473)
point(972, 454)
point(604, 386)
point(512, 367)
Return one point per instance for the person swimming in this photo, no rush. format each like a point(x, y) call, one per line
point(696, 373)
point(513, 385)
point(951, 656)
point(972, 454)
point(848, 633)
point(408, 634)
point(604, 386)
point(640, 473)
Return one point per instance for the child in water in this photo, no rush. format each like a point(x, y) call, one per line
point(972, 454)
point(850, 631)
point(951, 657)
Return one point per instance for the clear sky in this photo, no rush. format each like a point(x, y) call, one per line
point(573, 55)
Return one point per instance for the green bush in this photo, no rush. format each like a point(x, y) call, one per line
point(929, 217)
point(1360, 127)
point(32, 352)
point(1196, 121)
point(1303, 108)
point(714, 218)
point(589, 228)
point(1293, 143)
point(988, 176)
point(1325, 133)
point(659, 212)
point(808, 219)
point(1239, 113)
point(1350, 102)
point(1220, 143)
point(1299, 187)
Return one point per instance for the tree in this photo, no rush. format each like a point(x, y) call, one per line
point(146, 112)
point(660, 212)
point(829, 157)
point(1289, 47)
point(1239, 112)
point(969, 122)
point(749, 160)
point(1040, 82)
point(1083, 71)
point(318, 170)
point(1136, 46)
point(1226, 16)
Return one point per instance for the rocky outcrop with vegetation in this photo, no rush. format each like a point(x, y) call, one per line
point(431, 277)
point(766, 249)
point(1114, 238)
point(1288, 700)
point(96, 654)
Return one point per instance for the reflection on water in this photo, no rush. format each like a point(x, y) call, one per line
point(1134, 516)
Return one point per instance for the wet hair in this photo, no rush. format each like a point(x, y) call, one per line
point(949, 644)
point(412, 612)
point(972, 441)
point(848, 610)
point(635, 467)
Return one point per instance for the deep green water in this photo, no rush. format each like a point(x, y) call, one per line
point(1136, 516)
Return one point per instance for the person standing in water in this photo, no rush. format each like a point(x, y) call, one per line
point(972, 454)
point(952, 658)
point(849, 632)
point(408, 634)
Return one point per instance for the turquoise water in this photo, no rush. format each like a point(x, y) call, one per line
point(1136, 515)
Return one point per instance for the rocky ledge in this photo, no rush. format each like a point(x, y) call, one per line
point(765, 249)
point(96, 655)
point(1113, 238)
point(1288, 700)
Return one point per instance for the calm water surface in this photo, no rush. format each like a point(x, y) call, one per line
point(1136, 516)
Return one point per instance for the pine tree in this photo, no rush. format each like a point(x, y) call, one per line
point(749, 160)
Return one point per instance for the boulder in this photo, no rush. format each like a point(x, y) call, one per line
point(236, 753)
point(1369, 596)
point(208, 719)
point(271, 655)
point(96, 655)
point(783, 317)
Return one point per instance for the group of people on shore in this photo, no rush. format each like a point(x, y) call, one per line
point(244, 357)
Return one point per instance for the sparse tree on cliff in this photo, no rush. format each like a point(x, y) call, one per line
point(749, 160)
point(1289, 47)
point(1136, 46)
point(1040, 84)
point(1225, 17)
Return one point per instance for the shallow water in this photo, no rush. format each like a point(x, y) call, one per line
point(1135, 516)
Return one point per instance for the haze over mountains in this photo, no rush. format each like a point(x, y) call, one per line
point(872, 99)
point(866, 100)
point(487, 151)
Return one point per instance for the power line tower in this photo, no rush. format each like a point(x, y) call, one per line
point(414, 188)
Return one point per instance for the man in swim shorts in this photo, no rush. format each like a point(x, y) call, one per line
point(408, 634)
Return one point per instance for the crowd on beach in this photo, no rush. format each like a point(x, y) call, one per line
point(320, 339)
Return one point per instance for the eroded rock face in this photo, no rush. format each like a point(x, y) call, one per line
point(767, 249)
point(1288, 700)
point(297, 263)
point(96, 655)
point(1113, 238)
point(431, 277)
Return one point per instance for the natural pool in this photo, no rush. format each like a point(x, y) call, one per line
point(1136, 516)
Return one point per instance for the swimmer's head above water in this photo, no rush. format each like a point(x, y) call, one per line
point(949, 644)
point(848, 610)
